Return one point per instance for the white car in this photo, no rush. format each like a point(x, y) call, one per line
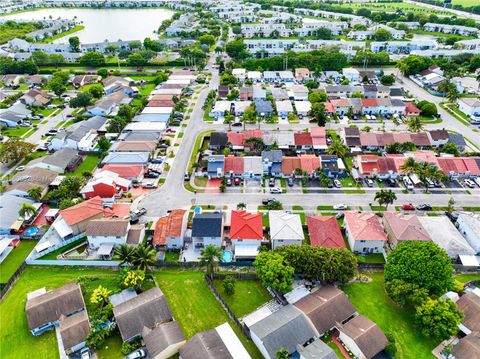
point(20, 168)
point(469, 183)
point(337, 183)
point(340, 206)
point(477, 181)
point(140, 353)
point(275, 190)
point(369, 182)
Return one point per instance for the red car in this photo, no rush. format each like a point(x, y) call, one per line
point(169, 130)
point(408, 207)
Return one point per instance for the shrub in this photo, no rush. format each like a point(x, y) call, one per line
point(229, 285)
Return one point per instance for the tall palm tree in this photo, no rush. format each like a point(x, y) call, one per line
point(210, 256)
point(144, 257)
point(415, 124)
point(453, 95)
point(35, 193)
point(241, 206)
point(338, 149)
point(385, 197)
point(409, 166)
point(427, 172)
point(126, 253)
point(26, 210)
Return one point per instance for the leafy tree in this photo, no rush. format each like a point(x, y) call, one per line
point(136, 59)
point(35, 193)
point(100, 296)
point(237, 49)
point(160, 77)
point(210, 256)
point(56, 86)
point(56, 59)
point(83, 99)
point(255, 144)
point(26, 210)
point(97, 336)
point(427, 172)
point(406, 294)
point(438, 318)
point(229, 285)
point(428, 108)
point(233, 95)
point(338, 149)
point(93, 59)
point(66, 203)
point(415, 124)
point(311, 84)
point(314, 97)
point(387, 80)
point(273, 271)
point(102, 72)
point(451, 205)
point(74, 43)
point(144, 257)
point(14, 150)
point(282, 353)
point(382, 35)
point(385, 197)
point(96, 91)
point(397, 147)
point(324, 33)
point(451, 149)
point(241, 206)
point(133, 279)
point(125, 253)
point(207, 39)
point(103, 143)
point(421, 263)
point(126, 111)
point(274, 206)
point(413, 64)
point(318, 111)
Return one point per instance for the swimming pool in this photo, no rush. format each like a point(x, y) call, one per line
point(29, 232)
point(227, 256)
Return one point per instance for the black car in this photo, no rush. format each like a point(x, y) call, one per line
point(453, 216)
point(237, 124)
point(391, 182)
point(266, 201)
point(151, 175)
point(290, 182)
point(271, 182)
point(424, 207)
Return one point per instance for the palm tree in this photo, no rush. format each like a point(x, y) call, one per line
point(210, 256)
point(409, 166)
point(229, 120)
point(415, 124)
point(453, 95)
point(126, 253)
point(427, 172)
point(385, 197)
point(338, 149)
point(144, 257)
point(35, 193)
point(241, 206)
point(26, 210)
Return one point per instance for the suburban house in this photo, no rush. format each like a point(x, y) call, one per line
point(325, 307)
point(218, 140)
point(164, 340)
point(412, 110)
point(65, 160)
point(134, 146)
point(234, 166)
point(80, 136)
point(220, 342)
point(107, 233)
point(285, 328)
point(364, 232)
point(285, 228)
point(36, 97)
point(10, 221)
point(469, 106)
point(74, 330)
point(272, 163)
point(252, 167)
point(467, 347)
point(333, 166)
point(21, 182)
point(284, 108)
point(129, 172)
point(438, 138)
point(468, 225)
point(14, 115)
point(469, 304)
point(362, 337)
point(302, 74)
point(105, 184)
point(82, 80)
point(170, 230)
point(263, 108)
point(246, 234)
point(325, 232)
point(207, 228)
point(215, 166)
point(44, 309)
point(403, 227)
point(316, 350)
point(126, 158)
point(148, 309)
point(446, 236)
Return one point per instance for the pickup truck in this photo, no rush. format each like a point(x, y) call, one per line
point(135, 215)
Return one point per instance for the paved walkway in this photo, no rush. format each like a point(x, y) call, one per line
point(340, 346)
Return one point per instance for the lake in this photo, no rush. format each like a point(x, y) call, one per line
point(105, 24)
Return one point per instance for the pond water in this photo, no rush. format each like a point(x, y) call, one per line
point(105, 24)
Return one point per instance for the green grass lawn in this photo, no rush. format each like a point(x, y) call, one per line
point(15, 259)
point(63, 34)
point(371, 258)
point(53, 255)
point(392, 6)
point(45, 111)
point(89, 164)
point(248, 296)
point(465, 3)
point(464, 278)
point(146, 89)
point(16, 132)
point(370, 299)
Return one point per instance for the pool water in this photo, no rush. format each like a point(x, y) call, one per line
point(227, 256)
point(31, 231)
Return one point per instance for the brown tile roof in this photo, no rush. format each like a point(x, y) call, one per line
point(405, 227)
point(168, 226)
point(134, 146)
point(366, 334)
point(468, 347)
point(107, 227)
point(74, 329)
point(161, 103)
point(469, 304)
point(162, 97)
point(134, 234)
point(48, 307)
point(325, 307)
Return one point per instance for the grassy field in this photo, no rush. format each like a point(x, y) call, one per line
point(392, 6)
point(192, 304)
point(16, 132)
point(248, 296)
point(10, 31)
point(89, 164)
point(371, 300)
point(15, 259)
point(63, 34)
point(465, 3)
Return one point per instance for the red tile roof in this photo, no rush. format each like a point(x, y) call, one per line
point(325, 232)
point(303, 139)
point(246, 225)
point(364, 226)
point(411, 108)
point(369, 102)
point(309, 163)
point(161, 103)
point(125, 171)
point(329, 107)
point(319, 136)
point(233, 163)
point(252, 133)
point(85, 210)
point(168, 226)
point(235, 138)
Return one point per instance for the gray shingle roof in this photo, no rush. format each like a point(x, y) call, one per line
point(207, 225)
point(74, 329)
point(160, 338)
point(285, 328)
point(316, 350)
point(218, 139)
point(262, 106)
point(272, 156)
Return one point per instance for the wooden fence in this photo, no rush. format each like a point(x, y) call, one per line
point(5, 287)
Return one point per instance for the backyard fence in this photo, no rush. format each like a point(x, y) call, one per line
point(225, 306)
point(6, 286)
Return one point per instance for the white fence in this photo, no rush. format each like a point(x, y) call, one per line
point(34, 255)
point(64, 262)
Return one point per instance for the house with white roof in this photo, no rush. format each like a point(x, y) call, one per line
point(468, 225)
point(469, 106)
point(284, 108)
point(285, 228)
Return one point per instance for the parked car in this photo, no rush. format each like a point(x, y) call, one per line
point(408, 183)
point(340, 215)
point(170, 130)
point(157, 160)
point(290, 182)
point(337, 183)
point(151, 174)
point(186, 176)
point(20, 168)
point(237, 181)
point(369, 182)
point(53, 131)
point(408, 207)
point(340, 206)
point(391, 182)
point(237, 124)
point(266, 201)
point(275, 190)
point(469, 183)
point(453, 216)
point(424, 207)
point(163, 145)
point(149, 185)
point(477, 181)
point(271, 182)
point(137, 354)
point(229, 182)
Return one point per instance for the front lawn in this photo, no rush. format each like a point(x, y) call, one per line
point(89, 164)
point(16, 132)
point(146, 89)
point(15, 259)
point(371, 300)
point(371, 258)
point(248, 296)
